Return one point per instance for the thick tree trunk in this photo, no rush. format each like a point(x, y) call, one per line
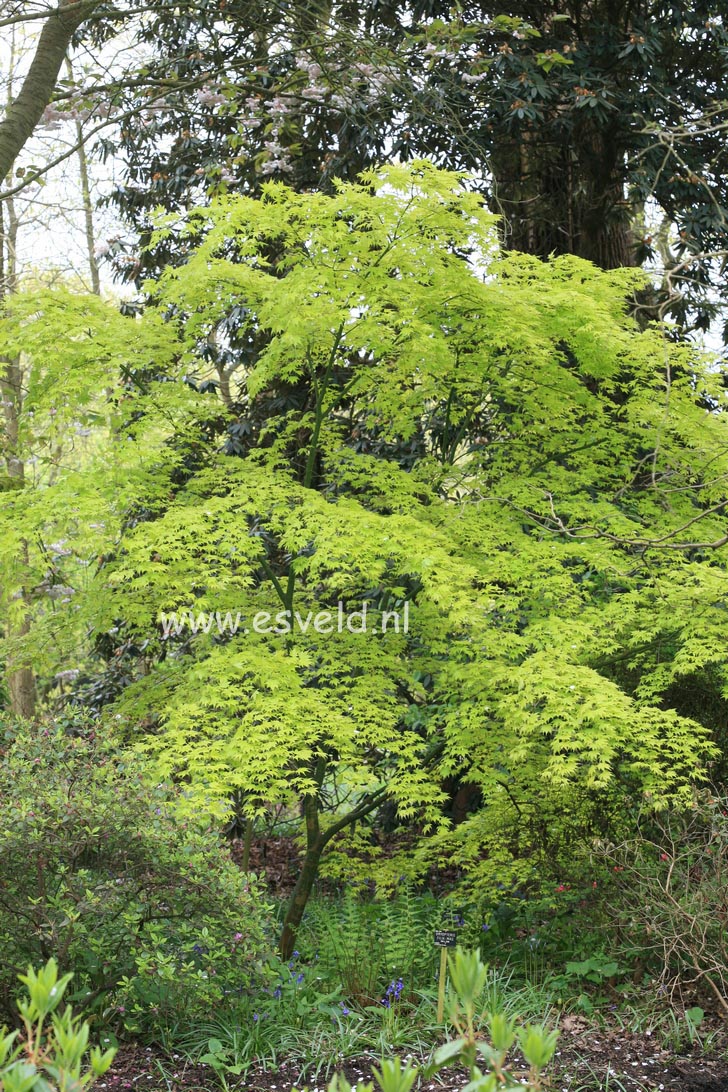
point(564, 199)
point(26, 110)
point(21, 683)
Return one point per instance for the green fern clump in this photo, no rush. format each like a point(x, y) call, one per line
point(364, 944)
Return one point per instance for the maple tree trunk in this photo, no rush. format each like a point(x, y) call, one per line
point(316, 842)
point(306, 877)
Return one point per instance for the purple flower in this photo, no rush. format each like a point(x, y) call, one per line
point(392, 993)
point(344, 1010)
point(299, 978)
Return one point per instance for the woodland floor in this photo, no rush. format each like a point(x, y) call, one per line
point(588, 1060)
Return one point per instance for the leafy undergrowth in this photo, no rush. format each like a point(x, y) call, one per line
point(588, 1059)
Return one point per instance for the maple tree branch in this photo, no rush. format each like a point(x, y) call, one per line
point(557, 526)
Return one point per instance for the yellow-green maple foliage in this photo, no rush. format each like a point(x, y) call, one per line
point(488, 437)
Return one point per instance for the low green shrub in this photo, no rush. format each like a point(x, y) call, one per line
point(52, 1051)
point(98, 871)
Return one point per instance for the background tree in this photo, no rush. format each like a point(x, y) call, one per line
point(34, 213)
point(595, 130)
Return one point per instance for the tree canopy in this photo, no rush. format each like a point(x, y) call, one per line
point(359, 397)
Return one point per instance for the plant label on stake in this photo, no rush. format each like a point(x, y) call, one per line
point(444, 939)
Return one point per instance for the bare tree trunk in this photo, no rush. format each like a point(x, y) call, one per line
point(88, 209)
point(21, 681)
point(316, 842)
point(306, 877)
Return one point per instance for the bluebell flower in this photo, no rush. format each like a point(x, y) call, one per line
point(277, 992)
point(299, 978)
point(392, 993)
point(344, 1010)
